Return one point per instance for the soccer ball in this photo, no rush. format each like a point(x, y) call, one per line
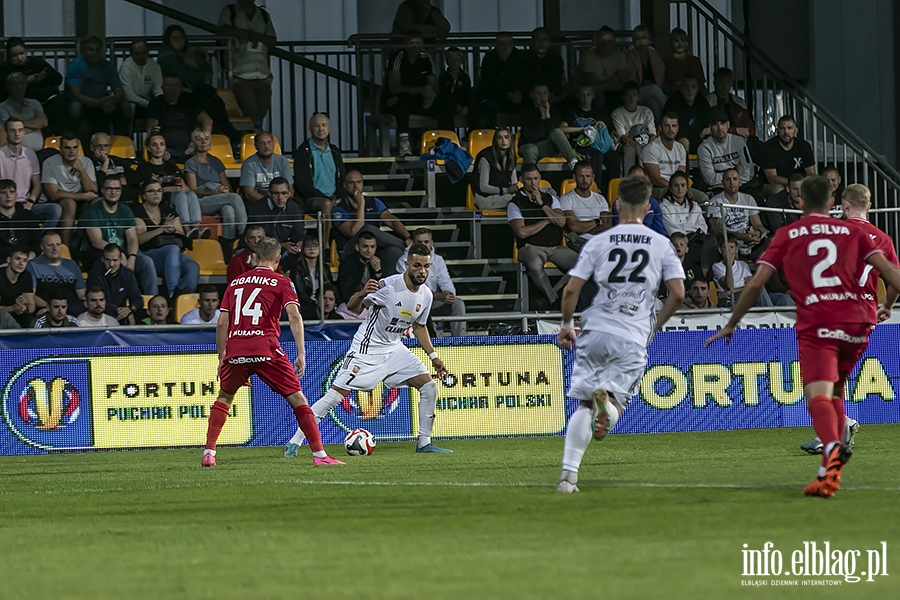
point(359, 442)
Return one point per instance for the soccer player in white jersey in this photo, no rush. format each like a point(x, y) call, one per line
point(377, 353)
point(628, 264)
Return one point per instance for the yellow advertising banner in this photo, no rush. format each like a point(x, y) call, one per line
point(502, 389)
point(161, 400)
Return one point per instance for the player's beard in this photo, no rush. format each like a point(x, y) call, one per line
point(418, 280)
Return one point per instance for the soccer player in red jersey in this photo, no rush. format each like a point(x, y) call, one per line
point(821, 258)
point(247, 337)
point(855, 203)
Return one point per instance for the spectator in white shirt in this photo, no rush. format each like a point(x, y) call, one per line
point(445, 301)
point(28, 110)
point(722, 151)
point(682, 214)
point(664, 156)
point(208, 311)
point(587, 211)
point(743, 225)
point(141, 78)
point(96, 307)
point(633, 126)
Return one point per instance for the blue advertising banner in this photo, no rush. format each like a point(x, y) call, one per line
point(126, 389)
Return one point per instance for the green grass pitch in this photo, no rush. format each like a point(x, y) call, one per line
point(658, 516)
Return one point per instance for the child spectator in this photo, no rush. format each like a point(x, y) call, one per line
point(454, 83)
point(634, 126)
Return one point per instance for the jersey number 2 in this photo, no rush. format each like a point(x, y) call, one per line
point(828, 261)
point(247, 309)
point(620, 257)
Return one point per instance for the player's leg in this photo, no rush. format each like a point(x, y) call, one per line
point(578, 436)
point(309, 425)
point(231, 378)
point(427, 407)
point(319, 409)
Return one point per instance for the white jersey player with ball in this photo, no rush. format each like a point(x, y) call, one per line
point(628, 263)
point(377, 352)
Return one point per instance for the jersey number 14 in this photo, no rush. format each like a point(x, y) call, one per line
point(247, 309)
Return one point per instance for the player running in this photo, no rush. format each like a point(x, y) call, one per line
point(377, 353)
point(628, 263)
point(856, 202)
point(247, 337)
point(821, 258)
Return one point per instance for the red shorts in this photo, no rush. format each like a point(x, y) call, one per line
point(829, 354)
point(276, 371)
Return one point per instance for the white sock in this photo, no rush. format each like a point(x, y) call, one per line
point(320, 454)
point(404, 137)
point(829, 447)
point(331, 399)
point(207, 451)
point(613, 412)
point(578, 436)
point(821, 471)
point(427, 406)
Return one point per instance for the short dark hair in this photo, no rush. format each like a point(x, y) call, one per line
point(453, 49)
point(13, 42)
point(606, 29)
point(630, 86)
point(831, 168)
point(253, 226)
point(671, 115)
point(787, 117)
point(795, 177)
point(422, 231)
point(815, 191)
point(540, 29)
point(691, 283)
point(539, 83)
point(529, 167)
point(418, 250)
point(68, 137)
point(7, 184)
point(635, 191)
point(329, 287)
point(365, 235)
point(582, 164)
point(57, 295)
point(13, 118)
point(95, 289)
point(279, 181)
point(690, 76)
point(147, 184)
point(48, 232)
point(723, 72)
point(111, 247)
point(412, 34)
point(636, 168)
point(207, 289)
point(19, 249)
point(91, 39)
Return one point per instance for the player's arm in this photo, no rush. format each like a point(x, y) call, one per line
point(566, 336)
point(672, 303)
point(749, 296)
point(421, 333)
point(222, 335)
point(889, 272)
point(885, 310)
point(295, 320)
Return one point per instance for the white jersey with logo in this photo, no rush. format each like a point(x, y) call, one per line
point(629, 263)
point(392, 308)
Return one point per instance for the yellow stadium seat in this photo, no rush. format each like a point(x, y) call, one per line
point(544, 184)
point(231, 107)
point(64, 252)
point(480, 139)
point(882, 292)
point(53, 142)
point(429, 138)
point(713, 293)
point(221, 149)
point(184, 304)
point(613, 190)
point(335, 261)
point(248, 148)
point(569, 184)
point(208, 254)
point(214, 225)
point(470, 205)
point(121, 146)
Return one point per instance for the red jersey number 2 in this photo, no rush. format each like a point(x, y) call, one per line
point(819, 280)
point(250, 308)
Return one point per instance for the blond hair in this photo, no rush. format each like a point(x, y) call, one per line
point(635, 191)
point(200, 132)
point(857, 195)
point(267, 249)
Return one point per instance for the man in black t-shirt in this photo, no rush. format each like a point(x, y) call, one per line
point(413, 88)
point(543, 65)
point(175, 115)
point(541, 134)
point(17, 288)
point(785, 154)
point(18, 225)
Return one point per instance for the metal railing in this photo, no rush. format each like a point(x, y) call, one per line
point(771, 93)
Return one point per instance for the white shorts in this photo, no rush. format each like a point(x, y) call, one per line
point(604, 361)
point(365, 371)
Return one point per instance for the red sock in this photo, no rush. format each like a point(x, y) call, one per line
point(217, 415)
point(307, 422)
point(824, 421)
point(838, 404)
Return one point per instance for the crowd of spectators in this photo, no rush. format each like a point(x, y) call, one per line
point(128, 222)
